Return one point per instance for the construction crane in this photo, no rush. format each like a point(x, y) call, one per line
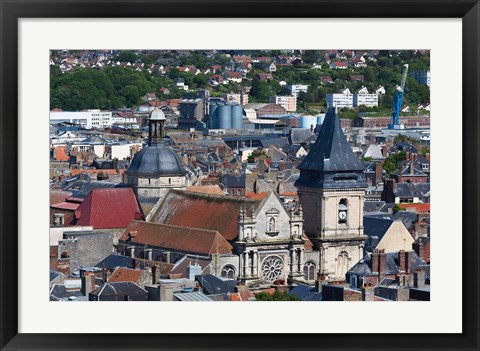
point(398, 101)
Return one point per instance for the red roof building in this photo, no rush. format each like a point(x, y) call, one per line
point(188, 240)
point(218, 213)
point(108, 208)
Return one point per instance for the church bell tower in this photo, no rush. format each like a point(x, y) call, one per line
point(331, 189)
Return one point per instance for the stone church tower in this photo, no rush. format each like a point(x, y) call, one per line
point(331, 189)
point(156, 168)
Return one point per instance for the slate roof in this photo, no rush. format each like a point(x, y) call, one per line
point(373, 206)
point(192, 296)
point(408, 218)
point(411, 189)
point(331, 162)
point(331, 152)
point(306, 293)
point(108, 208)
point(114, 260)
point(375, 228)
point(94, 140)
point(299, 135)
point(193, 240)
point(213, 285)
point(61, 292)
point(363, 267)
point(119, 288)
point(84, 189)
point(218, 213)
point(156, 160)
point(233, 181)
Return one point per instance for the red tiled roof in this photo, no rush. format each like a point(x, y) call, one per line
point(206, 189)
point(234, 75)
point(108, 208)
point(60, 154)
point(210, 212)
point(57, 196)
point(254, 196)
point(185, 239)
point(421, 208)
point(121, 274)
point(69, 206)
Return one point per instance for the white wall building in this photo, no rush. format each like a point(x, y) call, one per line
point(341, 99)
point(423, 77)
point(289, 103)
point(295, 89)
point(86, 119)
point(363, 97)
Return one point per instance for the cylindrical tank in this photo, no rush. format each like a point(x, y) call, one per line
point(142, 108)
point(308, 121)
point(320, 118)
point(224, 117)
point(237, 114)
point(213, 117)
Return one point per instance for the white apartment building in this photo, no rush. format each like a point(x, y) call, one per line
point(297, 88)
point(87, 119)
point(423, 77)
point(363, 97)
point(341, 99)
point(289, 103)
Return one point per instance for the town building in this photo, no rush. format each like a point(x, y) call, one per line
point(86, 119)
point(331, 190)
point(295, 89)
point(422, 77)
point(289, 103)
point(156, 168)
point(341, 99)
point(364, 98)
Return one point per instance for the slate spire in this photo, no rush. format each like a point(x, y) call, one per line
point(330, 159)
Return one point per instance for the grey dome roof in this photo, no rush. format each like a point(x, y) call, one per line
point(157, 115)
point(155, 160)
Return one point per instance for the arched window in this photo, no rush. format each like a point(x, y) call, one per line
point(309, 269)
point(342, 263)
point(228, 272)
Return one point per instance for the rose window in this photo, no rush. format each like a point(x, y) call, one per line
point(272, 268)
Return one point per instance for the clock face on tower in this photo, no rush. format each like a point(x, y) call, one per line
point(342, 215)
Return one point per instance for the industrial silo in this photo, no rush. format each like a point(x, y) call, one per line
point(308, 122)
point(224, 117)
point(213, 116)
point(237, 114)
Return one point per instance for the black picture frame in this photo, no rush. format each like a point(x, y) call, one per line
point(12, 10)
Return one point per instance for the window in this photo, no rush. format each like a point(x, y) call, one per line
point(228, 272)
point(58, 219)
point(309, 269)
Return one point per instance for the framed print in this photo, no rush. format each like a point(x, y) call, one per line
point(127, 78)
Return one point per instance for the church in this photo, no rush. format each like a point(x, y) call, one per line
point(253, 241)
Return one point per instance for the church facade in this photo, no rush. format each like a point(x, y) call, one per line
point(322, 236)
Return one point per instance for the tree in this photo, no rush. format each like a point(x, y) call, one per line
point(276, 296)
point(126, 56)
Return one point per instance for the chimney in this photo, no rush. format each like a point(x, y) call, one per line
point(419, 249)
point(166, 292)
point(155, 274)
point(132, 251)
point(427, 156)
point(375, 259)
point(408, 262)
point(412, 168)
point(419, 279)
point(382, 264)
point(378, 173)
point(407, 156)
point(319, 281)
point(368, 292)
point(401, 260)
point(88, 283)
